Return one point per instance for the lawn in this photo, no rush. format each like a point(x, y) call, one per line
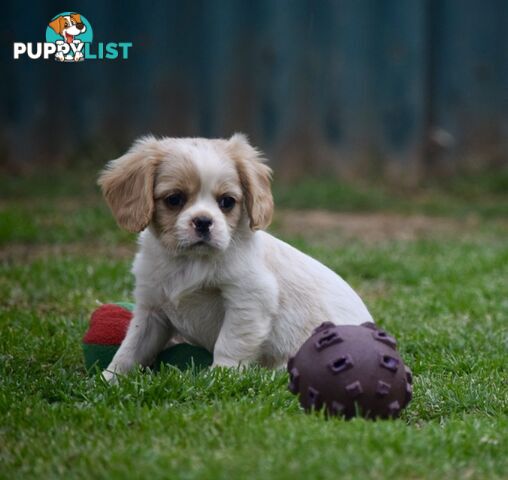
point(431, 265)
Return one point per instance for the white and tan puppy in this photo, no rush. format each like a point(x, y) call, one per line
point(205, 268)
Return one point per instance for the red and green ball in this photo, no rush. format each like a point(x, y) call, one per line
point(108, 326)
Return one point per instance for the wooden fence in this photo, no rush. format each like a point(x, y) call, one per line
point(401, 88)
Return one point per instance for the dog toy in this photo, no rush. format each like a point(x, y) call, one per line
point(107, 329)
point(350, 370)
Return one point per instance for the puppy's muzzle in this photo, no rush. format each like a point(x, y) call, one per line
point(202, 225)
point(80, 26)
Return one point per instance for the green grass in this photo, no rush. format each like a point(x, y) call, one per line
point(445, 299)
point(484, 194)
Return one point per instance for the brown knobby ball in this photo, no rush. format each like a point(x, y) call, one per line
point(350, 370)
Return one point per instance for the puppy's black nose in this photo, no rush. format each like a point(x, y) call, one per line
point(202, 224)
point(80, 26)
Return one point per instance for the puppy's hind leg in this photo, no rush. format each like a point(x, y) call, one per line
point(148, 332)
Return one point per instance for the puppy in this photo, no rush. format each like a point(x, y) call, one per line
point(205, 268)
point(69, 26)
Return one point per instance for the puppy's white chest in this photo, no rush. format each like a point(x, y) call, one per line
point(198, 316)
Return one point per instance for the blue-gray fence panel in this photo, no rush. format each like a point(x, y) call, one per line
point(324, 86)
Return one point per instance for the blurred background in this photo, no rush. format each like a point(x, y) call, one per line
point(381, 90)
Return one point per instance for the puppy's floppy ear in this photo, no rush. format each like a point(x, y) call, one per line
point(255, 179)
point(76, 17)
point(58, 24)
point(127, 184)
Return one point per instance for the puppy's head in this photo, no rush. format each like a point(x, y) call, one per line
point(194, 193)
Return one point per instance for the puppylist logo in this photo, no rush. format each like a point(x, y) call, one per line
point(69, 38)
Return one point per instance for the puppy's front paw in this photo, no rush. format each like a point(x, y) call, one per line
point(226, 362)
point(110, 377)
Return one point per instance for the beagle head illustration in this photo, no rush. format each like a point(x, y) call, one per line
point(68, 26)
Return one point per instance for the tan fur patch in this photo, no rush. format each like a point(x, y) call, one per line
point(127, 184)
point(177, 175)
point(231, 187)
point(255, 179)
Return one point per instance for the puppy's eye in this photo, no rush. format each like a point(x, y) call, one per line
point(226, 203)
point(176, 200)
